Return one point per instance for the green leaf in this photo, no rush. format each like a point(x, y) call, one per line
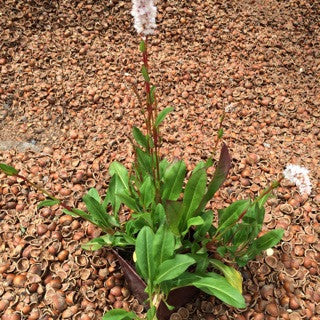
point(185, 279)
point(92, 245)
point(151, 313)
point(164, 164)
point(147, 192)
point(128, 201)
point(163, 245)
point(8, 170)
point(242, 233)
point(232, 275)
point(133, 226)
point(159, 215)
point(146, 217)
point(195, 189)
point(116, 188)
point(255, 212)
point(194, 221)
point(199, 166)
point(121, 171)
point(172, 268)
point(162, 115)
point(119, 314)
point(220, 133)
point(218, 286)
point(144, 162)
point(229, 215)
point(48, 203)
point(79, 213)
point(174, 214)
point(94, 194)
point(202, 230)
point(152, 96)
point(145, 73)
point(108, 240)
point(265, 242)
point(219, 177)
point(140, 137)
point(264, 199)
point(144, 253)
point(202, 261)
point(173, 181)
point(98, 213)
point(142, 46)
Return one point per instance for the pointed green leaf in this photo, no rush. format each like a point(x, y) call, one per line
point(172, 268)
point(94, 194)
point(232, 275)
point(116, 188)
point(184, 280)
point(195, 189)
point(194, 221)
point(242, 233)
point(144, 162)
point(147, 192)
point(173, 181)
point(142, 46)
point(8, 170)
point(174, 214)
point(159, 215)
point(199, 166)
point(133, 226)
point(92, 245)
point(129, 201)
point(72, 214)
point(202, 261)
point(117, 239)
point(164, 164)
point(121, 171)
point(201, 230)
point(218, 286)
point(140, 137)
point(255, 212)
point(119, 314)
point(48, 203)
point(152, 96)
point(265, 242)
point(145, 73)
point(229, 215)
point(162, 115)
point(163, 245)
point(144, 253)
point(98, 213)
point(79, 213)
point(219, 177)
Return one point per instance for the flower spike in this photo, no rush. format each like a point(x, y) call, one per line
point(144, 13)
point(299, 176)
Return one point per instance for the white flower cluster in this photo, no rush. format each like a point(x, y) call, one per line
point(144, 13)
point(299, 176)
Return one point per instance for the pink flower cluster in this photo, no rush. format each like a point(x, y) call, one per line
point(299, 176)
point(144, 13)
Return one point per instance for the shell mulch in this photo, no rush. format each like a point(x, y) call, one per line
point(67, 108)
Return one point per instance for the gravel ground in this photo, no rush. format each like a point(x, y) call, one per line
point(67, 108)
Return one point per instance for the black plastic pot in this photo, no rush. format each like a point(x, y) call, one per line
point(177, 298)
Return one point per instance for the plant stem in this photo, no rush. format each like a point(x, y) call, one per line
point(151, 129)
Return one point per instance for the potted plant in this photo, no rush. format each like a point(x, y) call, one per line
point(170, 236)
